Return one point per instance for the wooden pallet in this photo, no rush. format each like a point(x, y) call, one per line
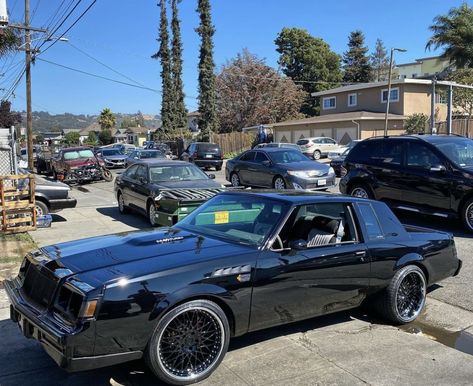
point(17, 203)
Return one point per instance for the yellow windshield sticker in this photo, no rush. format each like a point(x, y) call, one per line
point(221, 217)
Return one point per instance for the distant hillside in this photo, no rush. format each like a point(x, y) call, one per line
point(43, 121)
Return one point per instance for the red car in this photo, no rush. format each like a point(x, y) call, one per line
point(79, 164)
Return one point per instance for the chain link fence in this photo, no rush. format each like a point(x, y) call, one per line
point(7, 152)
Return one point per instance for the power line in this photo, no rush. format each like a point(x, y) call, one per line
point(12, 89)
point(100, 76)
point(105, 65)
point(72, 25)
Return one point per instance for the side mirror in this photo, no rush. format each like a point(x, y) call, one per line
point(211, 176)
point(135, 158)
point(438, 169)
point(298, 245)
point(267, 163)
point(142, 180)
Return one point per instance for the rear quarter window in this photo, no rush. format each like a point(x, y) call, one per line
point(370, 221)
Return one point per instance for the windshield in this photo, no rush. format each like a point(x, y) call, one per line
point(111, 152)
point(76, 154)
point(236, 218)
point(287, 156)
point(150, 154)
point(176, 173)
point(459, 151)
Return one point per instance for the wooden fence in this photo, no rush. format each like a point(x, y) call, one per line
point(459, 126)
point(233, 142)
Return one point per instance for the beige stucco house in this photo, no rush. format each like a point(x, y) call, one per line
point(422, 68)
point(358, 111)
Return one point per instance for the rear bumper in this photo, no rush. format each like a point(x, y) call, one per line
point(57, 341)
point(62, 203)
point(208, 163)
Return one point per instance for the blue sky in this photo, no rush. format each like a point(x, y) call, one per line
point(122, 34)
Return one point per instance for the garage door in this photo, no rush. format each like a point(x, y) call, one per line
point(322, 133)
point(301, 134)
point(282, 136)
point(346, 135)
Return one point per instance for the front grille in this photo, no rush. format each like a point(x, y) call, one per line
point(37, 286)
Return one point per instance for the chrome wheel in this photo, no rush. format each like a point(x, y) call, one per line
point(152, 214)
point(279, 184)
point(190, 344)
point(235, 180)
point(360, 193)
point(469, 216)
point(410, 296)
point(121, 203)
point(317, 154)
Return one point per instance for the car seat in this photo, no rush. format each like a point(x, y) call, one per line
point(325, 230)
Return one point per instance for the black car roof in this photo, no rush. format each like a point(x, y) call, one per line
point(297, 197)
point(273, 149)
point(423, 137)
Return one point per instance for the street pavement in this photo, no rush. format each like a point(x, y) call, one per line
point(346, 348)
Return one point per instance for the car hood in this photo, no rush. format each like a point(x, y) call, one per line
point(196, 184)
point(304, 165)
point(126, 254)
point(115, 157)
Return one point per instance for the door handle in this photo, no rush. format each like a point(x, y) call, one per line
point(360, 253)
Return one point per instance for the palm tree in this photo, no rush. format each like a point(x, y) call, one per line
point(454, 32)
point(106, 119)
point(9, 40)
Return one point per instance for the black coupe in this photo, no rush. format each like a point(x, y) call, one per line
point(139, 187)
point(241, 262)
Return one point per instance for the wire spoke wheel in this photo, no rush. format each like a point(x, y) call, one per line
point(469, 215)
point(235, 180)
point(191, 343)
point(410, 296)
point(152, 214)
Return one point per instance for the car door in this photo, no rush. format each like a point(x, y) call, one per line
point(426, 182)
point(328, 145)
point(125, 183)
point(263, 175)
point(294, 284)
point(139, 188)
point(245, 167)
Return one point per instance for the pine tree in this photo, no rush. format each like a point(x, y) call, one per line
point(380, 62)
point(356, 61)
point(208, 122)
point(179, 110)
point(164, 57)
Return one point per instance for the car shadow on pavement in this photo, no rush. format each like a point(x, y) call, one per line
point(442, 224)
point(25, 362)
point(57, 218)
point(134, 220)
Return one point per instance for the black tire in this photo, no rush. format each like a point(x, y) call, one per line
point(360, 191)
point(235, 179)
point(191, 369)
point(467, 214)
point(317, 154)
point(122, 208)
point(41, 208)
point(391, 303)
point(107, 175)
point(279, 183)
point(218, 168)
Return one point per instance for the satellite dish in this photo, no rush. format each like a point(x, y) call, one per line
point(3, 13)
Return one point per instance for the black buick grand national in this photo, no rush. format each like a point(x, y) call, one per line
point(241, 262)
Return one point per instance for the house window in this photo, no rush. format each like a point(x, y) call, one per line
point(352, 100)
point(394, 95)
point(329, 103)
point(441, 98)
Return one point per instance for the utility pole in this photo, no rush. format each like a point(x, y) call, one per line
point(29, 112)
point(432, 106)
point(449, 111)
point(388, 99)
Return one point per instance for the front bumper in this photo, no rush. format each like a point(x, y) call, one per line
point(115, 163)
point(58, 341)
point(62, 203)
point(312, 184)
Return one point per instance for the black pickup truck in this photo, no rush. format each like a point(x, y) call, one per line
point(241, 262)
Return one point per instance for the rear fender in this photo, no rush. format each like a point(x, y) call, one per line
point(413, 259)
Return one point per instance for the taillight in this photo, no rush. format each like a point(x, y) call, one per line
point(343, 171)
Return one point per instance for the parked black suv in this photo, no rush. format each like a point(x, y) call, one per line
point(204, 155)
point(430, 174)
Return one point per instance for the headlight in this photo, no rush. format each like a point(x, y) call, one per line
point(331, 172)
point(306, 173)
